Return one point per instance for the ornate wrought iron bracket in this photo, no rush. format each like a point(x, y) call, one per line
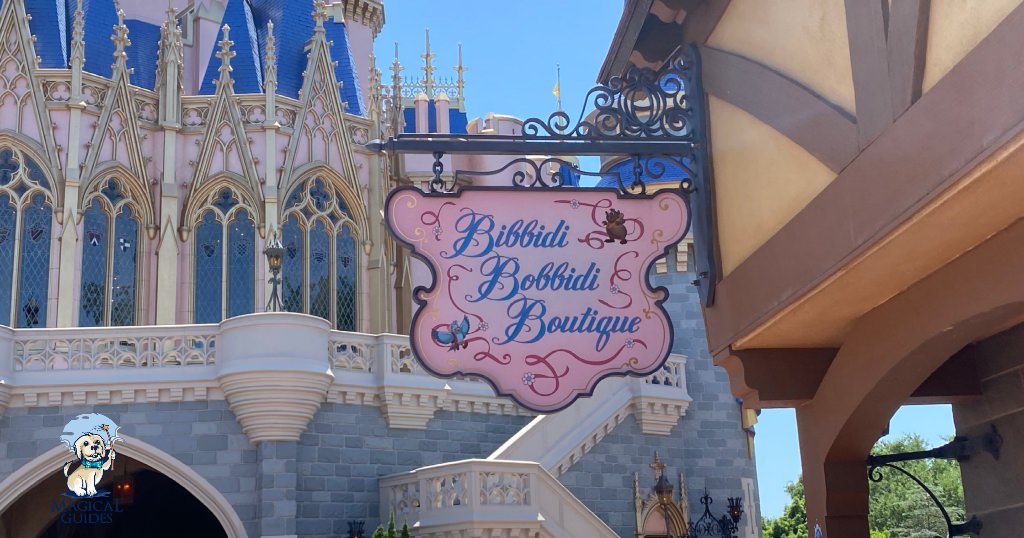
point(960, 449)
point(652, 117)
point(725, 526)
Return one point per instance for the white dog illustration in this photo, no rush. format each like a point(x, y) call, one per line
point(95, 457)
point(83, 436)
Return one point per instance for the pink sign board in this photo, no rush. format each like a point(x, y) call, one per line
point(542, 292)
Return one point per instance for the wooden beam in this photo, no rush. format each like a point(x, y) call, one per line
point(865, 26)
point(956, 380)
point(907, 43)
point(816, 125)
point(702, 20)
point(767, 378)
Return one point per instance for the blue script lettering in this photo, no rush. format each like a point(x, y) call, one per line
point(529, 318)
point(477, 238)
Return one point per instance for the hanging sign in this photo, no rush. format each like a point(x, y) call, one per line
point(542, 292)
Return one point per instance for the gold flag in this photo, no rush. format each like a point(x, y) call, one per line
point(556, 92)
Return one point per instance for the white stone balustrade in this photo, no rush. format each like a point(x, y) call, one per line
point(241, 357)
point(488, 499)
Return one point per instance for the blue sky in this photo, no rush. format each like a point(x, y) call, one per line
point(778, 449)
point(511, 49)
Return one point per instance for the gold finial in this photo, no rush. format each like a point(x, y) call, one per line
point(657, 466)
point(460, 83)
point(428, 67)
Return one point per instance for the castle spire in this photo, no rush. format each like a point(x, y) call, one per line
point(460, 83)
point(225, 54)
point(77, 59)
point(319, 16)
point(121, 41)
point(270, 53)
point(270, 77)
point(169, 66)
point(428, 67)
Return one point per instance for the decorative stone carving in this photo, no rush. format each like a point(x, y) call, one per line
point(273, 372)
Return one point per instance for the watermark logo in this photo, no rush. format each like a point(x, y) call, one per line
point(90, 438)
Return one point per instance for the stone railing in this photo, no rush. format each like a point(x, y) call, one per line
point(40, 367)
point(486, 498)
point(114, 347)
point(558, 441)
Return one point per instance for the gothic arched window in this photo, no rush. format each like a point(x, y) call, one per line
point(225, 259)
point(110, 259)
point(26, 221)
point(320, 260)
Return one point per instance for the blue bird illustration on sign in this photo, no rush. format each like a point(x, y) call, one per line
point(455, 336)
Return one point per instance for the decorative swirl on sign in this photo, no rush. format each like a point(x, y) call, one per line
point(455, 278)
point(432, 218)
point(620, 274)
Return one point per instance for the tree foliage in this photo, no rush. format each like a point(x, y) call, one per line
point(391, 531)
point(899, 508)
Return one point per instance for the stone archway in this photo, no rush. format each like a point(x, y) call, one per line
point(28, 476)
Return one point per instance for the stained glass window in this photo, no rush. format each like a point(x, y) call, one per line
point(320, 262)
point(345, 264)
point(209, 269)
point(34, 278)
point(241, 265)
point(110, 242)
point(8, 224)
point(26, 226)
point(93, 299)
point(292, 266)
point(225, 259)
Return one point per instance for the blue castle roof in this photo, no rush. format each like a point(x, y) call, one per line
point(457, 119)
point(673, 173)
point(52, 22)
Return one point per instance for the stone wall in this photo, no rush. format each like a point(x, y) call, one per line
point(998, 501)
point(203, 435)
point(312, 487)
point(347, 447)
point(708, 445)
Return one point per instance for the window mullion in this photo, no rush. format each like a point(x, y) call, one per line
point(19, 216)
point(225, 243)
point(109, 277)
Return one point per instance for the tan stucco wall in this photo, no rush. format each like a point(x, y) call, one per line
point(805, 40)
point(762, 179)
point(954, 28)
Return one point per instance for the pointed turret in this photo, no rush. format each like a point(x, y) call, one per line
point(170, 63)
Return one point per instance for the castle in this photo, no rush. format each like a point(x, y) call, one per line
point(145, 161)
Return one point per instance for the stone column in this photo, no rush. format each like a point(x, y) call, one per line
point(277, 482)
point(6, 366)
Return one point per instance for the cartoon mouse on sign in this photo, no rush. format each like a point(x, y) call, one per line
point(615, 226)
point(90, 437)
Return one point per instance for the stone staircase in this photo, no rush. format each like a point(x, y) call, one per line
point(559, 440)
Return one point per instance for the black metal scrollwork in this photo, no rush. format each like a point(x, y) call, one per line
point(643, 103)
point(709, 525)
point(655, 117)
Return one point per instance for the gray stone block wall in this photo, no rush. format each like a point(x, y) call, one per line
point(347, 447)
point(203, 435)
point(708, 445)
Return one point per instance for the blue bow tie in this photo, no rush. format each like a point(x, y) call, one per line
point(93, 464)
